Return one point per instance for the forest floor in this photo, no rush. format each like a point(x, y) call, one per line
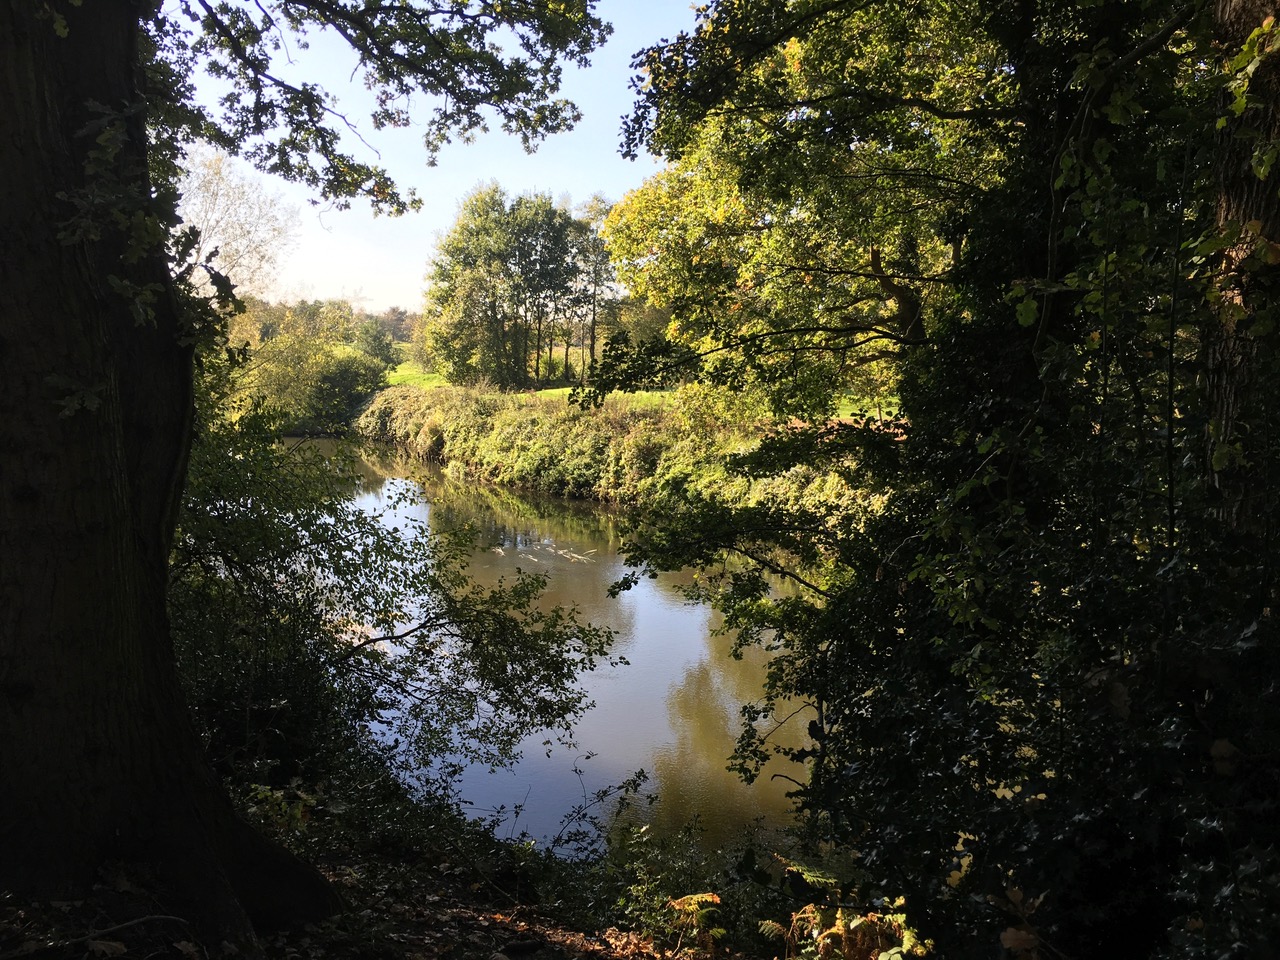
point(395, 912)
point(402, 904)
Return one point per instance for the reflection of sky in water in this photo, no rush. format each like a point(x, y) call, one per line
point(672, 710)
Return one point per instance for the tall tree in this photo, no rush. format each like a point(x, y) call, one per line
point(1038, 648)
point(96, 384)
point(241, 228)
point(1248, 210)
point(597, 282)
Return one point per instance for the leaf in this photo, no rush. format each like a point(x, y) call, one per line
point(772, 929)
point(106, 948)
point(1016, 939)
point(1027, 311)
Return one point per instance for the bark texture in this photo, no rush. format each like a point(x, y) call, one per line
point(100, 762)
point(1236, 449)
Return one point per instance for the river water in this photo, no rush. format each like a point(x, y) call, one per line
point(670, 711)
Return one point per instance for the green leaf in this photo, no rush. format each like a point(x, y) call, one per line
point(1028, 311)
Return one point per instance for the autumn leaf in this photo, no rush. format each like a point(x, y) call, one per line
point(1019, 940)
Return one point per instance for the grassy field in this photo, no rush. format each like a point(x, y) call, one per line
point(410, 373)
point(851, 407)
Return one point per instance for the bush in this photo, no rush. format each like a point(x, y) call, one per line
point(314, 387)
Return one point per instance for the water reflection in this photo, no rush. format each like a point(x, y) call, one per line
point(671, 711)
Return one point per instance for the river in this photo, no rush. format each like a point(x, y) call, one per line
point(671, 710)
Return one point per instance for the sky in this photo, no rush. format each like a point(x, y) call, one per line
point(379, 262)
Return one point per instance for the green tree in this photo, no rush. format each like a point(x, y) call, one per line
point(100, 760)
point(313, 363)
point(597, 297)
point(1038, 645)
point(372, 337)
point(398, 323)
point(501, 287)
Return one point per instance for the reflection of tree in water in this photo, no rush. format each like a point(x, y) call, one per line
point(690, 776)
point(367, 474)
point(686, 746)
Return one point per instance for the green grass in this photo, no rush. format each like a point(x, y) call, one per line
point(641, 400)
point(851, 406)
point(410, 373)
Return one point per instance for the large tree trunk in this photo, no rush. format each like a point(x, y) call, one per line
point(1236, 450)
point(100, 762)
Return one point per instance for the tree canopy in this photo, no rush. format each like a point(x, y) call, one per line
point(1038, 644)
point(453, 70)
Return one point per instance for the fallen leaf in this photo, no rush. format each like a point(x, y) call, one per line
point(106, 948)
point(1015, 939)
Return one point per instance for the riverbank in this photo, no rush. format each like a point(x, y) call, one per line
point(626, 451)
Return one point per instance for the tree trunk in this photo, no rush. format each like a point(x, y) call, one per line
point(595, 298)
point(537, 350)
point(100, 762)
point(1235, 449)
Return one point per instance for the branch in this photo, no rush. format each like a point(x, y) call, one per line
point(246, 60)
point(1152, 43)
point(779, 570)
point(910, 308)
point(884, 102)
point(355, 648)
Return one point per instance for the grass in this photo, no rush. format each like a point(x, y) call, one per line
point(852, 407)
point(410, 373)
point(641, 400)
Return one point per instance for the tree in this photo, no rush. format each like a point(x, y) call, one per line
point(96, 381)
point(398, 323)
point(597, 294)
point(313, 363)
point(242, 229)
point(1037, 644)
point(502, 284)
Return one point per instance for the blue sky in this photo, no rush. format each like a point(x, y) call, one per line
point(378, 262)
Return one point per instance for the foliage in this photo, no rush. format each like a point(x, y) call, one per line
point(513, 278)
point(295, 130)
point(1031, 613)
point(822, 933)
point(372, 337)
point(622, 452)
point(313, 363)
